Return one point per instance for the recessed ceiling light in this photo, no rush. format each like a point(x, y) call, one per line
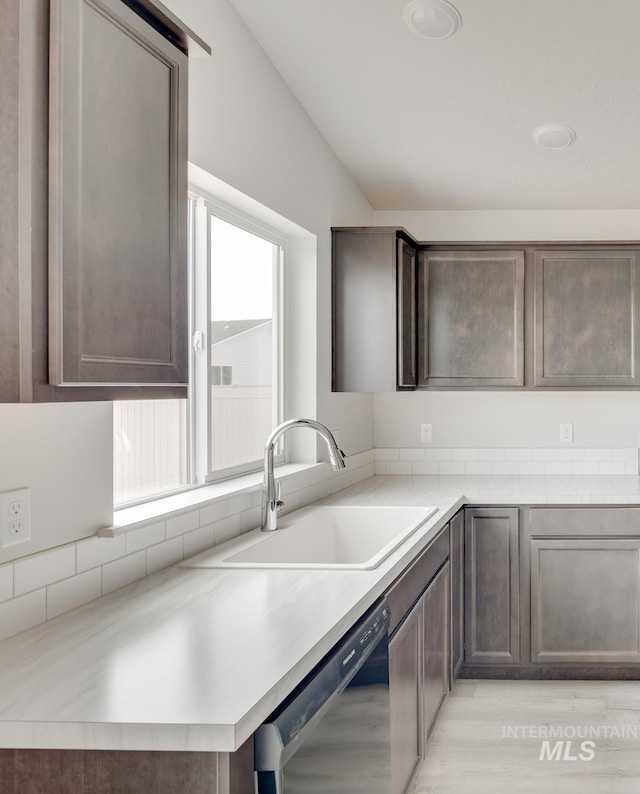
point(554, 136)
point(433, 19)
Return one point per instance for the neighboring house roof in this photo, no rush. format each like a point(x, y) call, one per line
point(225, 329)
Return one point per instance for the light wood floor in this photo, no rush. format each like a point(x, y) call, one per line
point(490, 735)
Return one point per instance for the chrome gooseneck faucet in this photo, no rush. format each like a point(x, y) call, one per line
point(271, 492)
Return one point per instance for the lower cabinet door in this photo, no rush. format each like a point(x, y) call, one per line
point(404, 692)
point(585, 600)
point(435, 657)
point(492, 585)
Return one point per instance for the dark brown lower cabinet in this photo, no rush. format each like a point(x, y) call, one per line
point(492, 586)
point(126, 772)
point(404, 691)
point(435, 650)
point(419, 658)
point(585, 600)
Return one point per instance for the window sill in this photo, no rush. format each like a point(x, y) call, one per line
point(131, 518)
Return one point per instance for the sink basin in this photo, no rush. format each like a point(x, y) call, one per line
point(332, 537)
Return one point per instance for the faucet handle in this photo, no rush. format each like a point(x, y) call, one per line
point(279, 502)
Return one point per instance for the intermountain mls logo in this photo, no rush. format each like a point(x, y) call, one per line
point(569, 742)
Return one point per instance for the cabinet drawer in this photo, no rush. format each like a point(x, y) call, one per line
point(587, 521)
point(406, 590)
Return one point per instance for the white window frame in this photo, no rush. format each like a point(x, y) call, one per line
point(205, 207)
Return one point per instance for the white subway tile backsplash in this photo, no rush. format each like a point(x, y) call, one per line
point(547, 455)
point(250, 519)
point(380, 468)
point(124, 571)
point(518, 454)
point(165, 554)
point(627, 455)
point(411, 454)
point(73, 592)
point(145, 537)
point(213, 512)
point(558, 468)
point(491, 455)
point(386, 454)
point(92, 552)
point(531, 467)
point(598, 455)
point(464, 454)
point(239, 503)
point(228, 528)
point(477, 467)
point(428, 467)
point(198, 540)
point(612, 467)
point(22, 613)
point(451, 467)
point(39, 570)
point(582, 467)
point(572, 454)
point(438, 454)
point(401, 467)
point(180, 525)
point(504, 467)
point(6, 582)
point(631, 468)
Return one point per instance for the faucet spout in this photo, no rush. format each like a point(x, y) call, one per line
point(271, 492)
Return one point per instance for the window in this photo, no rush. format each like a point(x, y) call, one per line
point(235, 395)
point(242, 262)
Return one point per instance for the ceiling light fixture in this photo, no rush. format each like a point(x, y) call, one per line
point(554, 136)
point(432, 19)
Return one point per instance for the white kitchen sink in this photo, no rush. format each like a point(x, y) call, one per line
point(333, 537)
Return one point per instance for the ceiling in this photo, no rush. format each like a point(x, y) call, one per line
point(446, 124)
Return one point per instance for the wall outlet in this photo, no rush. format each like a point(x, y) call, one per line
point(15, 517)
point(566, 432)
point(426, 433)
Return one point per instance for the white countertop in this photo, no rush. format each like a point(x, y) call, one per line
point(195, 659)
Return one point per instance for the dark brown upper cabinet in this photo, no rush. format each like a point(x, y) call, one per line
point(97, 272)
point(470, 318)
point(373, 310)
point(586, 318)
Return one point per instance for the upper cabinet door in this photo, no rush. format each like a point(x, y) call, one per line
point(373, 310)
point(117, 199)
point(470, 318)
point(586, 332)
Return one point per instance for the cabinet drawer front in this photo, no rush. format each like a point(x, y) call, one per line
point(576, 521)
point(405, 591)
point(585, 601)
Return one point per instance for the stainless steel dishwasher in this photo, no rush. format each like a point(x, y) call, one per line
point(333, 732)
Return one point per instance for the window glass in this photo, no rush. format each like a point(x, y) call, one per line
point(243, 346)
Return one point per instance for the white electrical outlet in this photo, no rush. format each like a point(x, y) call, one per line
point(15, 517)
point(426, 433)
point(566, 432)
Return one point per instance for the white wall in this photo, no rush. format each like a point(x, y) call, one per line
point(63, 454)
point(522, 225)
point(505, 419)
